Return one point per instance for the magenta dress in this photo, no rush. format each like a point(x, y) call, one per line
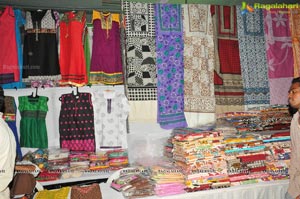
point(106, 65)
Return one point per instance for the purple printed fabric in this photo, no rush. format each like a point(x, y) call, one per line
point(170, 69)
point(279, 54)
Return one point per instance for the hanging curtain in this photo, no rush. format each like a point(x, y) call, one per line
point(252, 52)
point(227, 75)
point(279, 54)
point(169, 49)
point(198, 59)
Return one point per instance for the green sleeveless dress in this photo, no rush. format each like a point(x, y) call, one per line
point(33, 131)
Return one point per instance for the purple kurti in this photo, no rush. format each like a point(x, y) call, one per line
point(106, 65)
point(169, 49)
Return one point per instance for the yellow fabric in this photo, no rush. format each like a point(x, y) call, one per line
point(97, 15)
point(62, 193)
point(106, 20)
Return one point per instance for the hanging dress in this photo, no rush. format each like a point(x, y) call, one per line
point(111, 112)
point(76, 122)
point(9, 69)
point(33, 131)
point(106, 64)
point(72, 59)
point(19, 22)
point(40, 51)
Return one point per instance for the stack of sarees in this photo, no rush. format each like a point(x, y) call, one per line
point(278, 154)
point(200, 154)
point(246, 158)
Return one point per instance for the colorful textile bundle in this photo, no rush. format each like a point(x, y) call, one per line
point(79, 160)
point(169, 189)
point(99, 161)
point(198, 150)
point(133, 185)
point(206, 180)
point(58, 159)
point(278, 155)
point(117, 159)
point(245, 156)
point(275, 117)
point(168, 179)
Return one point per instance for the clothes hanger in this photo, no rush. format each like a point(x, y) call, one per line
point(77, 92)
point(34, 95)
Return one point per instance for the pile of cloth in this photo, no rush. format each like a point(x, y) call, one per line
point(278, 155)
point(200, 154)
point(268, 118)
point(168, 179)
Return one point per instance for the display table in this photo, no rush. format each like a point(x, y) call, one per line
point(263, 190)
point(86, 176)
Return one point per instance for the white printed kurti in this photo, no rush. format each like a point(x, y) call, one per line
point(111, 112)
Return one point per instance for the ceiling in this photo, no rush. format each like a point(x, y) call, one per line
point(115, 5)
point(103, 5)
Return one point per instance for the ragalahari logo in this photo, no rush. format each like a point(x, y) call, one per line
point(246, 8)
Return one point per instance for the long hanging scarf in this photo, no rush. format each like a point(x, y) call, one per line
point(294, 18)
point(198, 59)
point(140, 50)
point(227, 75)
point(253, 57)
point(169, 49)
point(279, 54)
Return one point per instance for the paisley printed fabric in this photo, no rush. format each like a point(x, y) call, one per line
point(253, 57)
point(169, 48)
point(198, 59)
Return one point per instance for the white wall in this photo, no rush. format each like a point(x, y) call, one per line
point(145, 138)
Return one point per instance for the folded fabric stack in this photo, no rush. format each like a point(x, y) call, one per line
point(278, 155)
point(133, 185)
point(273, 117)
point(58, 159)
point(168, 148)
point(242, 121)
point(246, 158)
point(169, 179)
point(200, 154)
point(117, 159)
point(40, 158)
point(99, 161)
point(79, 160)
point(46, 175)
point(206, 180)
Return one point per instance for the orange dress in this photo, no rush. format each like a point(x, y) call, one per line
point(72, 60)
